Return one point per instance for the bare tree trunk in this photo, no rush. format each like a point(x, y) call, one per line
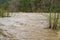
point(55, 21)
point(7, 14)
point(32, 5)
point(50, 20)
point(51, 1)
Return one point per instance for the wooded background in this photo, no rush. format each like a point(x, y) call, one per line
point(30, 5)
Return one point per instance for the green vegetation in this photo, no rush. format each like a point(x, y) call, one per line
point(4, 5)
point(54, 14)
point(32, 5)
point(3, 8)
point(53, 20)
point(39, 6)
point(56, 17)
point(2, 13)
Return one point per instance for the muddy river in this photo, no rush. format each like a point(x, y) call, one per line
point(27, 26)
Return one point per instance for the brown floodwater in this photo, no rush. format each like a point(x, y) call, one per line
point(27, 26)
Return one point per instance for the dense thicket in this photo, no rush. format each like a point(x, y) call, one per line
point(39, 5)
point(4, 4)
point(31, 5)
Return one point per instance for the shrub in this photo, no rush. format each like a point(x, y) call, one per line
point(2, 13)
